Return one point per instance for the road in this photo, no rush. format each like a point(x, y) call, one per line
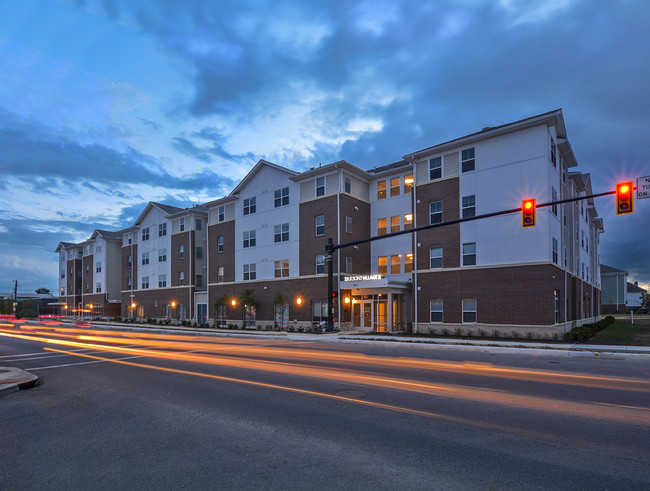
point(150, 411)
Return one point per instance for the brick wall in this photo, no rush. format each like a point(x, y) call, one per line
point(227, 257)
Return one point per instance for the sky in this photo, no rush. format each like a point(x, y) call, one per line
point(106, 105)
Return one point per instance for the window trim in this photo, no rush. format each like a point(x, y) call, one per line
point(433, 168)
point(469, 310)
point(439, 302)
point(467, 257)
point(432, 257)
point(431, 213)
point(468, 159)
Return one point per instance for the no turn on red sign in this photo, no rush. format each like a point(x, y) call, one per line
point(643, 187)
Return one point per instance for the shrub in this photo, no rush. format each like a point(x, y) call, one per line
point(586, 331)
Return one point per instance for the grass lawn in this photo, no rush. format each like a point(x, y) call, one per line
point(623, 332)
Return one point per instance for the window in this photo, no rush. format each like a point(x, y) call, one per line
point(281, 233)
point(555, 251)
point(320, 225)
point(129, 240)
point(128, 262)
point(554, 198)
point(396, 264)
point(220, 244)
point(145, 258)
point(162, 280)
point(199, 280)
point(347, 183)
point(181, 251)
point(128, 285)
point(582, 242)
point(98, 248)
point(182, 224)
point(162, 255)
point(565, 258)
point(320, 264)
point(435, 257)
point(469, 206)
point(381, 226)
point(395, 186)
point(199, 224)
point(319, 310)
point(281, 197)
point(553, 153)
point(408, 184)
point(199, 252)
point(250, 206)
point(162, 229)
point(281, 268)
point(408, 262)
point(220, 274)
point(382, 264)
point(181, 278)
point(320, 186)
point(87, 270)
point(435, 168)
point(348, 264)
point(145, 233)
point(98, 288)
point(221, 214)
point(469, 310)
point(145, 282)
point(395, 223)
point(435, 307)
point(469, 254)
point(583, 271)
point(249, 272)
point(348, 225)
point(249, 238)
point(467, 160)
point(98, 267)
point(381, 189)
point(556, 304)
point(408, 221)
point(435, 212)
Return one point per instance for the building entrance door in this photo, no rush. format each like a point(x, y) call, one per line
point(362, 315)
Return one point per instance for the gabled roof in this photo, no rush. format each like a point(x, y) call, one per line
point(196, 209)
point(389, 167)
point(65, 245)
point(107, 234)
point(632, 288)
point(552, 118)
point(323, 169)
point(259, 166)
point(609, 270)
point(166, 209)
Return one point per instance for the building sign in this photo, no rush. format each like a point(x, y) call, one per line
point(362, 277)
point(643, 187)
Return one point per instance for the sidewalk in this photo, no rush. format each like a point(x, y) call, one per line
point(16, 379)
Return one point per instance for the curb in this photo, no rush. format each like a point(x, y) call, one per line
point(12, 379)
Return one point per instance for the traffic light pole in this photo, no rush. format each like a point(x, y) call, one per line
point(330, 247)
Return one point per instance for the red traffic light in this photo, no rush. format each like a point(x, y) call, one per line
point(528, 213)
point(334, 294)
point(624, 198)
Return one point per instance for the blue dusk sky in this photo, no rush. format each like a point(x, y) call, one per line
point(107, 105)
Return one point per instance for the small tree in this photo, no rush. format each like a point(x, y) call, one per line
point(43, 291)
point(248, 306)
point(280, 309)
point(6, 306)
point(25, 309)
point(220, 308)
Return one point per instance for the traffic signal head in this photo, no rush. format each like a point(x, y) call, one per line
point(624, 198)
point(334, 294)
point(528, 213)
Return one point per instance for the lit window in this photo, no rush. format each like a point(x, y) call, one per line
point(408, 263)
point(408, 221)
point(435, 307)
point(469, 310)
point(381, 189)
point(435, 168)
point(281, 268)
point(382, 264)
point(408, 184)
point(381, 226)
point(395, 185)
point(395, 223)
point(467, 160)
point(396, 264)
point(435, 257)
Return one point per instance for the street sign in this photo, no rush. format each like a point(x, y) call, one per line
point(643, 187)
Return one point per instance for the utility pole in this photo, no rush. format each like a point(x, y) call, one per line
point(329, 249)
point(15, 295)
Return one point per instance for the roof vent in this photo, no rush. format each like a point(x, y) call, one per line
point(487, 128)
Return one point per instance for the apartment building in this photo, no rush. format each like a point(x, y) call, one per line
point(70, 277)
point(164, 262)
point(257, 256)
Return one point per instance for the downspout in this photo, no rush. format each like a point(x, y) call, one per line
point(415, 250)
point(190, 280)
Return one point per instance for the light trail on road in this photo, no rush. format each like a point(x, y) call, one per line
point(300, 363)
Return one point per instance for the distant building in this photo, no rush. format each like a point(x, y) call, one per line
point(635, 295)
point(265, 243)
point(614, 283)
